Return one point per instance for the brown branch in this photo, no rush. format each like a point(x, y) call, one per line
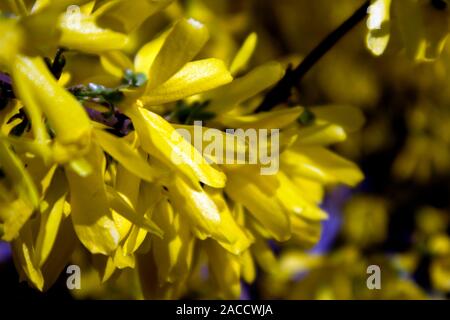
point(282, 91)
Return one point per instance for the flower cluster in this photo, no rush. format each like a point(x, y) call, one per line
point(403, 148)
point(90, 155)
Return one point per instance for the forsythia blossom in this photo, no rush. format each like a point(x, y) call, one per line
point(88, 143)
point(420, 27)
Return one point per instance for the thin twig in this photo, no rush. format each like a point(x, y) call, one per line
point(282, 91)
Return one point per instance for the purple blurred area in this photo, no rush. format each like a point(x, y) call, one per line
point(5, 252)
point(245, 292)
point(332, 204)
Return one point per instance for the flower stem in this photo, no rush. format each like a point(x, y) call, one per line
point(282, 91)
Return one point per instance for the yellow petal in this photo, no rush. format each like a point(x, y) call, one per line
point(57, 5)
point(240, 242)
point(160, 139)
point(6, 121)
point(305, 233)
point(104, 265)
point(6, 194)
point(17, 174)
point(174, 252)
point(14, 6)
point(41, 173)
point(292, 262)
point(349, 118)
point(225, 269)
point(248, 268)
point(198, 207)
point(436, 29)
point(25, 257)
point(115, 62)
point(379, 26)
point(11, 41)
point(122, 260)
point(265, 120)
point(323, 135)
point(81, 167)
point(126, 16)
point(126, 155)
point(293, 200)
point(319, 164)
point(440, 273)
point(120, 205)
point(244, 54)
point(51, 218)
point(90, 214)
point(148, 278)
point(263, 207)
point(147, 197)
point(410, 25)
point(195, 77)
point(38, 89)
point(41, 29)
point(207, 218)
point(127, 184)
point(60, 255)
point(85, 69)
point(312, 190)
point(134, 240)
point(23, 145)
point(181, 44)
point(227, 143)
point(147, 53)
point(241, 89)
point(423, 29)
point(14, 214)
point(80, 32)
point(264, 256)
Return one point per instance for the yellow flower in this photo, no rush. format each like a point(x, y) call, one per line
point(426, 151)
point(96, 169)
point(341, 275)
point(365, 221)
point(421, 26)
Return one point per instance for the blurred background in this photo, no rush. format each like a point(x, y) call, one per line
point(398, 218)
